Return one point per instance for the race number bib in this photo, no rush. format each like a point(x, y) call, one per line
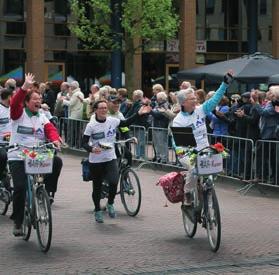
point(200, 135)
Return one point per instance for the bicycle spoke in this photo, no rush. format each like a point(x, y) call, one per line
point(130, 192)
point(213, 223)
point(43, 220)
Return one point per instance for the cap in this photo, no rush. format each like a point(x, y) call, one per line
point(246, 95)
point(114, 98)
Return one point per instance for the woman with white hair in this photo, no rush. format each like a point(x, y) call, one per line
point(194, 116)
point(75, 103)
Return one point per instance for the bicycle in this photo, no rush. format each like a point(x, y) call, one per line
point(130, 190)
point(204, 208)
point(37, 211)
point(5, 192)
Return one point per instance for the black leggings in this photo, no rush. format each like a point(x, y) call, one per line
point(3, 161)
point(20, 181)
point(104, 171)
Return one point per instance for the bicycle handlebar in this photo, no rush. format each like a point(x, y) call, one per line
point(48, 145)
point(131, 140)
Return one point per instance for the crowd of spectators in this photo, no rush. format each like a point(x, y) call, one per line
point(251, 115)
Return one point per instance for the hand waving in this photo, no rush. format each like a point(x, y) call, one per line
point(228, 77)
point(29, 80)
point(144, 110)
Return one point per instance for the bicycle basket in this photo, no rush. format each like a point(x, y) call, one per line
point(173, 186)
point(38, 161)
point(209, 164)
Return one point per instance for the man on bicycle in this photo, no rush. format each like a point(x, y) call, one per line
point(98, 140)
point(29, 127)
point(5, 131)
point(194, 116)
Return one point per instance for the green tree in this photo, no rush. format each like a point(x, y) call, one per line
point(142, 21)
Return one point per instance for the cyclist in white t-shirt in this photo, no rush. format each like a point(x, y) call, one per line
point(5, 131)
point(98, 140)
point(29, 127)
point(193, 115)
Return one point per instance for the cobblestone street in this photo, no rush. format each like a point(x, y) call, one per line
point(154, 242)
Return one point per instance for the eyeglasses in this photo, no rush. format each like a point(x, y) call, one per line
point(102, 108)
point(192, 99)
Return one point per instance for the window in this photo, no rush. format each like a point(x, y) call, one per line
point(210, 6)
point(61, 29)
point(13, 7)
point(263, 7)
point(62, 7)
point(16, 28)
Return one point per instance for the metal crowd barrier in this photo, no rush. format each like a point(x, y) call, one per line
point(72, 131)
point(239, 164)
point(267, 162)
point(255, 163)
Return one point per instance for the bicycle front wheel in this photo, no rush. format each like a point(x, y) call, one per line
point(130, 191)
point(26, 224)
point(190, 218)
point(213, 221)
point(43, 219)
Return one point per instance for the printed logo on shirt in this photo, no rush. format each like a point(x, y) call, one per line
point(99, 135)
point(25, 130)
point(200, 122)
point(39, 133)
point(4, 120)
point(111, 132)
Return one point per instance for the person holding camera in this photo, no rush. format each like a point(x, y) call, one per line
point(269, 131)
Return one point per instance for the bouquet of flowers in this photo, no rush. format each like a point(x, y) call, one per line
point(188, 153)
point(191, 153)
point(219, 147)
point(35, 155)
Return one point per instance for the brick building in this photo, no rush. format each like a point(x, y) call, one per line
point(34, 37)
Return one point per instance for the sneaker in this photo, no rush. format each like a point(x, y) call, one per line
point(111, 210)
point(99, 216)
point(17, 231)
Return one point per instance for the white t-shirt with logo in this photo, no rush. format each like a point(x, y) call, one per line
point(197, 121)
point(102, 132)
point(28, 131)
point(5, 121)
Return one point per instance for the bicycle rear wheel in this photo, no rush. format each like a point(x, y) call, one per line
point(213, 221)
point(130, 191)
point(43, 219)
point(26, 225)
point(4, 201)
point(189, 218)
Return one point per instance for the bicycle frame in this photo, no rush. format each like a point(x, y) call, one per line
point(204, 209)
point(34, 182)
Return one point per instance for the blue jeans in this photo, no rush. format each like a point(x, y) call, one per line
point(140, 147)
